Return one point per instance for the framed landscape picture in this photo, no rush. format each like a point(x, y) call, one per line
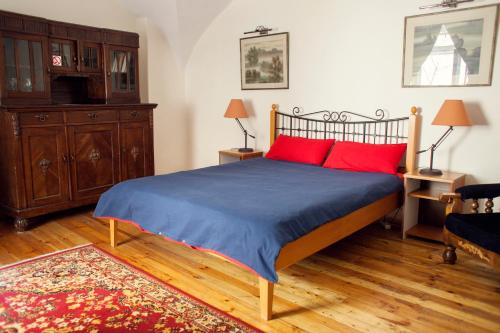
point(453, 48)
point(264, 62)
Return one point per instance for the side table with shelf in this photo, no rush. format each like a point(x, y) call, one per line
point(424, 214)
point(233, 155)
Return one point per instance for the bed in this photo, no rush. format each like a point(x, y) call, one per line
point(265, 215)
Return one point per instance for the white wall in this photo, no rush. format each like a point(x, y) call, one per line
point(165, 82)
point(343, 55)
point(183, 21)
point(161, 79)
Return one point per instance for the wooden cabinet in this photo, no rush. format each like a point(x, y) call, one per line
point(71, 122)
point(122, 74)
point(63, 55)
point(94, 159)
point(90, 57)
point(50, 62)
point(70, 56)
point(45, 165)
point(59, 157)
point(25, 76)
point(136, 147)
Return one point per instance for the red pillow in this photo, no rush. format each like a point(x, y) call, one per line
point(301, 150)
point(355, 156)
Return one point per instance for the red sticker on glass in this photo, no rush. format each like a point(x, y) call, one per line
point(56, 60)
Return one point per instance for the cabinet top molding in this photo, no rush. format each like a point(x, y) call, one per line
point(75, 107)
point(14, 22)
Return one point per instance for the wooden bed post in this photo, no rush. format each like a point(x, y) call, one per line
point(266, 298)
point(273, 124)
point(113, 224)
point(413, 140)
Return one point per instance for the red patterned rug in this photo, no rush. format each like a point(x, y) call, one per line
point(85, 289)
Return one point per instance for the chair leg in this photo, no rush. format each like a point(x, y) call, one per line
point(449, 255)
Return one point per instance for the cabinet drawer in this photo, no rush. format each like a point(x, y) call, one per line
point(91, 116)
point(40, 118)
point(134, 115)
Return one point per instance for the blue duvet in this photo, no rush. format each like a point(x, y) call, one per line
point(245, 210)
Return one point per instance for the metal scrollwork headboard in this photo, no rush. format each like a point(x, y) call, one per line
point(342, 125)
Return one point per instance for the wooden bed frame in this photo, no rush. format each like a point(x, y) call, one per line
point(338, 229)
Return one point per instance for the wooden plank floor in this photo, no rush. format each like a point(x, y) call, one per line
point(370, 282)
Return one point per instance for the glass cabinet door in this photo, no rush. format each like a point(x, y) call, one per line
point(10, 64)
point(62, 55)
point(91, 57)
point(123, 71)
point(24, 66)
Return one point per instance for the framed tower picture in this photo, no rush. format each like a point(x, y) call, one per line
point(452, 48)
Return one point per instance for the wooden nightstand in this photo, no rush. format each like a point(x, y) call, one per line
point(233, 155)
point(424, 214)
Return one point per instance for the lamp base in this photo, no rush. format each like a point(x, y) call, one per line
point(431, 172)
point(245, 150)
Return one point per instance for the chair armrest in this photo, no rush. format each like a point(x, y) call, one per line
point(452, 201)
point(480, 191)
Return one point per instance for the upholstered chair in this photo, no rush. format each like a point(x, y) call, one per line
point(476, 233)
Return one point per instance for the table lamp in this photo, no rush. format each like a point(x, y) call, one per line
point(452, 113)
point(236, 110)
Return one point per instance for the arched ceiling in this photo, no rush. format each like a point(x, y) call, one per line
point(182, 21)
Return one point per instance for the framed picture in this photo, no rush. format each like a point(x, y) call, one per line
point(450, 49)
point(264, 62)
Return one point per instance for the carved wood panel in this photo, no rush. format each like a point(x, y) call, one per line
point(94, 159)
point(46, 172)
point(135, 153)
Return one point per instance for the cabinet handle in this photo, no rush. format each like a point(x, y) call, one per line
point(109, 73)
point(44, 165)
point(65, 158)
point(92, 115)
point(72, 157)
point(42, 116)
point(95, 155)
point(134, 114)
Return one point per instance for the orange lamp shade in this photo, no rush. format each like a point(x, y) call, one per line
point(236, 109)
point(452, 113)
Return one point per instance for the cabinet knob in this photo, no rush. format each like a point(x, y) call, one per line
point(108, 73)
point(92, 115)
point(134, 114)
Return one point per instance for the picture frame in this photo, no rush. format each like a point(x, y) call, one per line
point(450, 49)
point(264, 62)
